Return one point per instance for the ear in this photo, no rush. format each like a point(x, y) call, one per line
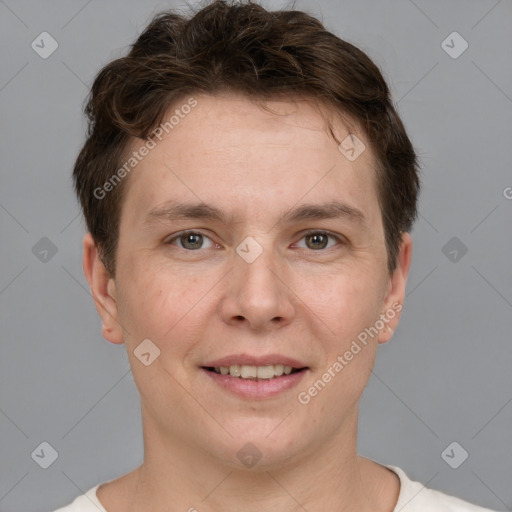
point(103, 289)
point(393, 302)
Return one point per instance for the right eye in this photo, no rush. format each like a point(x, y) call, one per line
point(190, 240)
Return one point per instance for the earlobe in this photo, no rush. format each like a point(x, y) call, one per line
point(393, 303)
point(103, 290)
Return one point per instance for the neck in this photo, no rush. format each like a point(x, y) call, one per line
point(328, 477)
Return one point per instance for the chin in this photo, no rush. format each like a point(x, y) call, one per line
point(261, 444)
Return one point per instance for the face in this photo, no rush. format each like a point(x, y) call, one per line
point(250, 244)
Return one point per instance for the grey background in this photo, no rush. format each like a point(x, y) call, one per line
point(444, 377)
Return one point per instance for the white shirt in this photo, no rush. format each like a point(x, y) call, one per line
point(413, 497)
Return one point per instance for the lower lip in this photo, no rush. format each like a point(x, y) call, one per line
point(256, 389)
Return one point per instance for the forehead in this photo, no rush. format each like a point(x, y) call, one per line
point(229, 150)
point(229, 117)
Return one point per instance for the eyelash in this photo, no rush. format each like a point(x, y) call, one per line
point(337, 238)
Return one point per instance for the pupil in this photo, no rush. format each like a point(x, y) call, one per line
point(192, 241)
point(318, 241)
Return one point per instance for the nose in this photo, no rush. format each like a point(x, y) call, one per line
point(258, 295)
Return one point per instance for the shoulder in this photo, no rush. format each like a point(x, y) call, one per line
point(87, 502)
point(415, 497)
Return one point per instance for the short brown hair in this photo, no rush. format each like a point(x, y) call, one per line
point(244, 48)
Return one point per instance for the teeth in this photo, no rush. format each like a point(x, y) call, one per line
point(265, 372)
point(247, 372)
point(234, 370)
point(252, 372)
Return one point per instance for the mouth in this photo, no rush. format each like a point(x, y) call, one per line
point(252, 372)
point(255, 378)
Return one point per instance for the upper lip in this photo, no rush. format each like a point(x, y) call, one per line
point(249, 360)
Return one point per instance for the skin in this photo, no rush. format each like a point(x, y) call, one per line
point(295, 299)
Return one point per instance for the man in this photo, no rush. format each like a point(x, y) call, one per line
point(249, 190)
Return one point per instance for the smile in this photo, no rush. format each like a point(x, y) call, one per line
point(266, 372)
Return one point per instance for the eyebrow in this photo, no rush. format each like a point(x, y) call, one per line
point(174, 211)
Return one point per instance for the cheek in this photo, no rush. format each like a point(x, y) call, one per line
point(147, 296)
point(345, 309)
point(164, 306)
point(346, 302)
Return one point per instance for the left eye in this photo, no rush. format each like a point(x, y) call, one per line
point(190, 240)
point(318, 240)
